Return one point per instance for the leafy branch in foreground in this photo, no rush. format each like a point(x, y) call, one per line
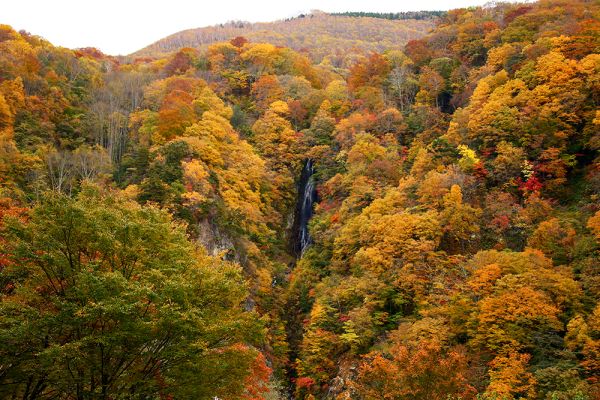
point(103, 298)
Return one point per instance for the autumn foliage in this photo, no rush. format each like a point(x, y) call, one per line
point(148, 204)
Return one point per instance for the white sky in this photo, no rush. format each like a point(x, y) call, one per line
point(124, 26)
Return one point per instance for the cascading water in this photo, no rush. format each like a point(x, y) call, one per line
point(307, 195)
point(306, 209)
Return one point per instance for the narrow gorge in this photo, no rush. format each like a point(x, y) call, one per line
point(307, 196)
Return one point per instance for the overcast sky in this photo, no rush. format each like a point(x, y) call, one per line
point(123, 26)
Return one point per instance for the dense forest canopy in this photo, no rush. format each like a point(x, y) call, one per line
point(151, 207)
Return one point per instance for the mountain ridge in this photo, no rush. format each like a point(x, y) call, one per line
point(334, 33)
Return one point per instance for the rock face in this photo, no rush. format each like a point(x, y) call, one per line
point(307, 196)
point(216, 242)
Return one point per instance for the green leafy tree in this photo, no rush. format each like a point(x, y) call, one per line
point(106, 299)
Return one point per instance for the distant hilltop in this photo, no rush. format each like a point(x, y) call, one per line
point(317, 33)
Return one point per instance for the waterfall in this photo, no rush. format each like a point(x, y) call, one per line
point(307, 195)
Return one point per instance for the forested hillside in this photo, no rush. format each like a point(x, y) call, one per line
point(242, 220)
point(336, 39)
